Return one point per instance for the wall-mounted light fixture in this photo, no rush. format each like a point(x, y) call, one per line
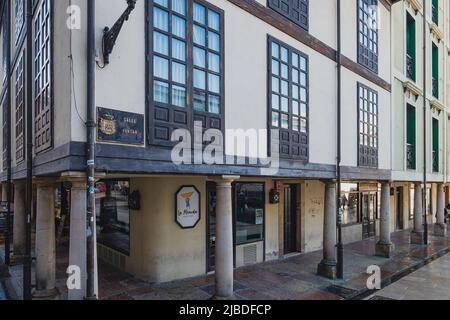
point(110, 35)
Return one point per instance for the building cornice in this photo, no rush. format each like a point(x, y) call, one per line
point(415, 4)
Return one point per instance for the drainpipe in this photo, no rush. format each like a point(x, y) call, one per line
point(424, 192)
point(91, 286)
point(29, 137)
point(340, 245)
point(6, 6)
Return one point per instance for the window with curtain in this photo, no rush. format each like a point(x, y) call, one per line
point(368, 34)
point(186, 68)
point(289, 99)
point(368, 126)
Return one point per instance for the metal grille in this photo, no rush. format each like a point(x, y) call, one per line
point(43, 88)
point(295, 10)
point(20, 111)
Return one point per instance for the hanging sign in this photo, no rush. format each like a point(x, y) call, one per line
point(188, 207)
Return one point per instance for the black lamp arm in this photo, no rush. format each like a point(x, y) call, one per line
point(110, 35)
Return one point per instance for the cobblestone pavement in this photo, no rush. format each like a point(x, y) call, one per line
point(431, 282)
point(293, 278)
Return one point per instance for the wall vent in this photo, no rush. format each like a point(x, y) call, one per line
point(250, 254)
point(112, 257)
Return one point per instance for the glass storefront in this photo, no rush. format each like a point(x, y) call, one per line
point(113, 214)
point(249, 212)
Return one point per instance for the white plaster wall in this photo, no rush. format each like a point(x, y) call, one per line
point(313, 212)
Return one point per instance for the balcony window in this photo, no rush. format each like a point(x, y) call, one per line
point(435, 11)
point(411, 137)
point(410, 47)
point(368, 34)
point(368, 127)
point(435, 75)
point(435, 153)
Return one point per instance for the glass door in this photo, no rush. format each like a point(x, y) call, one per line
point(290, 219)
point(368, 211)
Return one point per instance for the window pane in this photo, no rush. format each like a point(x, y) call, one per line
point(199, 36)
point(163, 3)
point(275, 119)
point(161, 19)
point(178, 50)
point(275, 84)
point(199, 57)
point(303, 125)
point(284, 104)
point(295, 90)
point(161, 68)
point(275, 102)
point(199, 101)
point(303, 110)
point(275, 50)
point(214, 41)
point(214, 20)
point(199, 79)
point(295, 76)
point(178, 73)
point(295, 108)
point(284, 54)
point(295, 124)
point(275, 67)
point(178, 27)
point(179, 96)
point(295, 60)
point(179, 6)
point(284, 88)
point(214, 104)
point(199, 13)
point(249, 213)
point(161, 92)
point(284, 121)
point(214, 62)
point(160, 43)
point(214, 83)
point(284, 71)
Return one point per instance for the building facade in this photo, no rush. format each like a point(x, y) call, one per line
point(225, 130)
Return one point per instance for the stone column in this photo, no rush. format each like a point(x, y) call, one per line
point(19, 225)
point(328, 266)
point(77, 254)
point(45, 241)
point(440, 228)
point(385, 247)
point(224, 239)
point(417, 235)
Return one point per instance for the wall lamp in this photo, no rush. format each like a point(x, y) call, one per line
point(110, 35)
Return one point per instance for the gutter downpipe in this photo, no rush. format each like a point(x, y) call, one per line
point(424, 192)
point(8, 228)
point(29, 134)
point(340, 245)
point(91, 241)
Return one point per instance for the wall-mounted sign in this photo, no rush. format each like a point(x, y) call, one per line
point(188, 207)
point(120, 127)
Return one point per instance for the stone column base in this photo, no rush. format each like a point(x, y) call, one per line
point(327, 269)
point(52, 294)
point(440, 230)
point(230, 298)
point(418, 237)
point(384, 250)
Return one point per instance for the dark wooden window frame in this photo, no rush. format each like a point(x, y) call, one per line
point(20, 108)
point(165, 118)
point(366, 56)
point(289, 137)
point(43, 94)
point(296, 11)
point(368, 152)
point(19, 19)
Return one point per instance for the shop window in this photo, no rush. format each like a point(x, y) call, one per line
point(249, 216)
point(350, 203)
point(113, 214)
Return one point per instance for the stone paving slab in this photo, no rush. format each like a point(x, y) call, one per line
point(293, 278)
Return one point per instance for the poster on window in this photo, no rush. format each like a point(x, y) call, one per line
point(188, 207)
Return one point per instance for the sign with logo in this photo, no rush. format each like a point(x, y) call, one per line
point(120, 127)
point(188, 207)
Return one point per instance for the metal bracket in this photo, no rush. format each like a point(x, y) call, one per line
point(110, 35)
